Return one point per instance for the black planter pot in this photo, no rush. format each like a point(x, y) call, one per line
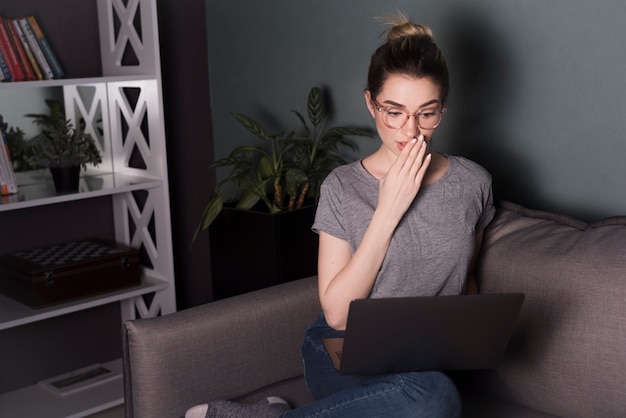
point(253, 250)
point(65, 179)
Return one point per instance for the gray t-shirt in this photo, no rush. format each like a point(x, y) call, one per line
point(433, 244)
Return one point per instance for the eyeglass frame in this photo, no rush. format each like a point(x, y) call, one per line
point(408, 114)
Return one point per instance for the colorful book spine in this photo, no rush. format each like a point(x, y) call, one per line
point(29, 74)
point(4, 174)
point(6, 46)
point(4, 67)
point(4, 190)
point(7, 165)
point(4, 70)
point(46, 71)
point(27, 50)
point(45, 47)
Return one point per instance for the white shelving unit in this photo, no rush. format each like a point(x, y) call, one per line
point(123, 110)
point(34, 401)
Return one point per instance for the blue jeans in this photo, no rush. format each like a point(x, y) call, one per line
point(415, 394)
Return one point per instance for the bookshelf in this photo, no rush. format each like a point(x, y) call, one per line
point(123, 109)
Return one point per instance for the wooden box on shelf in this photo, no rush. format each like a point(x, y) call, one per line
point(63, 272)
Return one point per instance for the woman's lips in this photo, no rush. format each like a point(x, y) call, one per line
point(402, 144)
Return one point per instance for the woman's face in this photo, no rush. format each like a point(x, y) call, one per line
point(410, 94)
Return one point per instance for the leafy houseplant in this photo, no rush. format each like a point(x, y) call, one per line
point(252, 248)
point(62, 148)
point(288, 170)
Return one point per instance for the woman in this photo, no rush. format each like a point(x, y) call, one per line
point(403, 221)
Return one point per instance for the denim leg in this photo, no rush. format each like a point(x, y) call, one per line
point(419, 394)
point(321, 377)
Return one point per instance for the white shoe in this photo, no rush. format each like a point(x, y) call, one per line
point(275, 399)
point(198, 411)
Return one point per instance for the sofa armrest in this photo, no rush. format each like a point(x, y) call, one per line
point(220, 350)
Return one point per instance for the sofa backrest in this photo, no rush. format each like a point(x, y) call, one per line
point(567, 356)
point(219, 350)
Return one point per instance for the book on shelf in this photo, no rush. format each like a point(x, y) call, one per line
point(1, 70)
point(55, 66)
point(6, 166)
point(4, 177)
point(29, 73)
point(28, 50)
point(25, 53)
point(4, 187)
point(9, 53)
point(4, 68)
point(38, 53)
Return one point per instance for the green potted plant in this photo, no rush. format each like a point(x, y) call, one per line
point(271, 199)
point(62, 148)
point(288, 170)
point(18, 146)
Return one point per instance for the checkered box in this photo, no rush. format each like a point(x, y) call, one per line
point(62, 272)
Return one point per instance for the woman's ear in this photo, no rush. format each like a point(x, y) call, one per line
point(368, 103)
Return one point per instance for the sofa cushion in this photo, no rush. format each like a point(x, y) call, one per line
point(567, 355)
point(477, 407)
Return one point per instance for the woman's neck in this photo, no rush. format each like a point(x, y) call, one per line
point(379, 163)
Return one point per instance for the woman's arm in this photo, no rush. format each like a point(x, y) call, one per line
point(343, 276)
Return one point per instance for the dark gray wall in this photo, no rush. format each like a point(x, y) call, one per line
point(537, 87)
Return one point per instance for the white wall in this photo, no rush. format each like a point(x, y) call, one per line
point(537, 91)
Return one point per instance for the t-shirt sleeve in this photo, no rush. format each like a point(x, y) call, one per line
point(488, 209)
point(328, 217)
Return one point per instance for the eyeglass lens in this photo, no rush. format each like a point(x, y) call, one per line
point(396, 118)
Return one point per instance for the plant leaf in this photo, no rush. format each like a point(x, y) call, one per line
point(294, 178)
point(315, 106)
point(251, 194)
point(307, 131)
point(247, 199)
point(265, 168)
point(343, 131)
point(245, 151)
point(210, 213)
point(252, 126)
point(212, 210)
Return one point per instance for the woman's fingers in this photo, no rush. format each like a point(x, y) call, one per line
point(414, 164)
point(416, 158)
point(408, 156)
point(421, 172)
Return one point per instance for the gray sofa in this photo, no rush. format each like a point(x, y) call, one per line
point(567, 356)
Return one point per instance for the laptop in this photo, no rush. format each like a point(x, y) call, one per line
point(443, 333)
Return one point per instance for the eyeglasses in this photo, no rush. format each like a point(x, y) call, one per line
point(397, 117)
